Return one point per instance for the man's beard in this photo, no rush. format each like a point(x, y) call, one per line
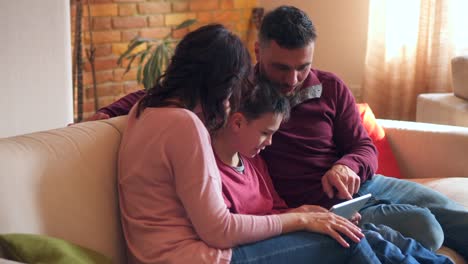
point(261, 76)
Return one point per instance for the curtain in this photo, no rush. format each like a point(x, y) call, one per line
point(409, 49)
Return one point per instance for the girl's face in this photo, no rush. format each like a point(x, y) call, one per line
point(253, 136)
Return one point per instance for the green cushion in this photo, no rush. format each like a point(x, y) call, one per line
point(30, 248)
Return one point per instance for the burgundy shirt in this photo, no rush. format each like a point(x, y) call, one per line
point(123, 105)
point(320, 133)
point(251, 192)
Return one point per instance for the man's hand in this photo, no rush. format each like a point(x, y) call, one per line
point(343, 179)
point(98, 116)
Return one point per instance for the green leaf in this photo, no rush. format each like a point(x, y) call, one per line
point(186, 23)
point(139, 74)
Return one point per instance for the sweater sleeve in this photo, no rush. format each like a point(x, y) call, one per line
point(198, 185)
point(355, 146)
point(123, 105)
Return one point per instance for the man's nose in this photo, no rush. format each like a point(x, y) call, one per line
point(291, 78)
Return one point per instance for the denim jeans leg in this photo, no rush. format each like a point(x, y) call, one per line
point(392, 247)
point(303, 247)
point(452, 217)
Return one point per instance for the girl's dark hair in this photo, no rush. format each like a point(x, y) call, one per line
point(209, 65)
point(264, 98)
point(289, 26)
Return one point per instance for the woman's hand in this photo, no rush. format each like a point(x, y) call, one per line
point(324, 223)
point(308, 208)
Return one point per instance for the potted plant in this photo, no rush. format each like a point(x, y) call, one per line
point(151, 55)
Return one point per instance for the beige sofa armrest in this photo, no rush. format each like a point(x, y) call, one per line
point(428, 150)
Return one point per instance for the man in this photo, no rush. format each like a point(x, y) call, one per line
point(323, 155)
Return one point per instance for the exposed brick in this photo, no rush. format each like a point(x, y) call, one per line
point(157, 33)
point(127, 9)
point(131, 86)
point(152, 19)
point(128, 1)
point(88, 106)
point(102, 10)
point(154, 8)
point(227, 4)
point(103, 50)
point(102, 23)
point(242, 26)
point(104, 37)
point(87, 78)
point(180, 6)
point(104, 76)
point(178, 34)
point(226, 17)
point(120, 48)
point(241, 4)
point(120, 75)
point(128, 22)
point(156, 20)
point(204, 17)
point(99, 1)
point(203, 5)
point(105, 90)
point(102, 64)
point(129, 35)
point(252, 3)
point(176, 19)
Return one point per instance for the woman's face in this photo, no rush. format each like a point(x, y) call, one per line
point(253, 136)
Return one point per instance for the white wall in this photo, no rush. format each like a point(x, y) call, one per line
point(35, 68)
point(342, 35)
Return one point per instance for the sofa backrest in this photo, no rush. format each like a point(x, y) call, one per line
point(62, 183)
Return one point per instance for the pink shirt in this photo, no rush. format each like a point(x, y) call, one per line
point(170, 193)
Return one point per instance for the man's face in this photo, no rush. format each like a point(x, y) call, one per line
point(287, 68)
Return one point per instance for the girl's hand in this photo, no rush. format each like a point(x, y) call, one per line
point(356, 218)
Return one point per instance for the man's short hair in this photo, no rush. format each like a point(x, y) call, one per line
point(289, 26)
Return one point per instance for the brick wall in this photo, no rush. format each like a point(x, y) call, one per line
point(116, 22)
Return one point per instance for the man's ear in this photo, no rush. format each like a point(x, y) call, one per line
point(257, 50)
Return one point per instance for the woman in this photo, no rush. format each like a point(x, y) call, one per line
point(248, 189)
point(170, 192)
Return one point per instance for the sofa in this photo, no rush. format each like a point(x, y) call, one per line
point(62, 182)
point(447, 108)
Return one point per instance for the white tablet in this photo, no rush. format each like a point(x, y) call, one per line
point(348, 208)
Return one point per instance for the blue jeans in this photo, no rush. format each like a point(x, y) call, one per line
point(381, 245)
point(392, 247)
point(417, 212)
point(303, 247)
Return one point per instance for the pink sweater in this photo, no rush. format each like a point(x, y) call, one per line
point(170, 193)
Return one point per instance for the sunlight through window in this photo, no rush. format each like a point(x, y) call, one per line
point(459, 25)
point(402, 26)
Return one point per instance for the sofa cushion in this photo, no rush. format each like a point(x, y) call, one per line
point(31, 248)
point(388, 165)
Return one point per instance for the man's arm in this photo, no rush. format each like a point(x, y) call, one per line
point(119, 107)
point(358, 155)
